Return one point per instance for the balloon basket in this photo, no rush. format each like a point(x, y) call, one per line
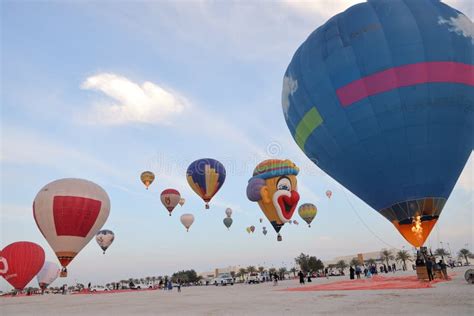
point(207, 206)
point(279, 238)
point(63, 274)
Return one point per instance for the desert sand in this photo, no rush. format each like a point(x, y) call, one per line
point(448, 298)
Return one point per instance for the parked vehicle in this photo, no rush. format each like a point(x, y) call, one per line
point(253, 278)
point(139, 286)
point(99, 288)
point(223, 279)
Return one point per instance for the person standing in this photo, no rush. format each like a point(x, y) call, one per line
point(443, 268)
point(429, 268)
point(301, 275)
point(351, 273)
point(89, 286)
point(358, 272)
point(179, 285)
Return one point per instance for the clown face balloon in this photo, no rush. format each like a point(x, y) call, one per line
point(274, 187)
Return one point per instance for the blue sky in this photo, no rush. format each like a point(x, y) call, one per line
point(208, 75)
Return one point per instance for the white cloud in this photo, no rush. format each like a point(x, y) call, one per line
point(290, 86)
point(134, 103)
point(460, 25)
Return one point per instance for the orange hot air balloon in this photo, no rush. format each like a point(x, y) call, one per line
point(147, 178)
point(69, 212)
point(170, 198)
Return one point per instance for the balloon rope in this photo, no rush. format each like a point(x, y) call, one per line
point(363, 222)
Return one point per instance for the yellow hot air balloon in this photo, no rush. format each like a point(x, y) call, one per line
point(307, 212)
point(147, 178)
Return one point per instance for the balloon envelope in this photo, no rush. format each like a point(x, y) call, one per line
point(21, 262)
point(48, 273)
point(228, 222)
point(69, 212)
point(329, 193)
point(228, 212)
point(380, 98)
point(206, 176)
point(307, 212)
point(147, 177)
point(182, 201)
point(187, 220)
point(252, 228)
point(170, 198)
point(105, 238)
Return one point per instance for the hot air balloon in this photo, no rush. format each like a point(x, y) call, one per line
point(105, 238)
point(264, 231)
point(181, 201)
point(307, 212)
point(48, 273)
point(68, 213)
point(228, 212)
point(329, 194)
point(147, 178)
point(380, 98)
point(170, 198)
point(252, 228)
point(205, 177)
point(296, 222)
point(248, 230)
point(274, 186)
point(228, 222)
point(187, 220)
point(22, 260)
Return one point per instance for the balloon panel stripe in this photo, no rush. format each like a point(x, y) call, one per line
point(403, 76)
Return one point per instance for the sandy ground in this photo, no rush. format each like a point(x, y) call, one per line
point(448, 298)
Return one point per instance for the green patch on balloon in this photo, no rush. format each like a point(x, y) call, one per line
point(311, 120)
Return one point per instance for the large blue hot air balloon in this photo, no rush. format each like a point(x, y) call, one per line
point(381, 97)
point(206, 176)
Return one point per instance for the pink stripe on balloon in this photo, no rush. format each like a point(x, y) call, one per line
point(403, 76)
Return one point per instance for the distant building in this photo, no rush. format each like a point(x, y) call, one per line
point(212, 274)
point(364, 256)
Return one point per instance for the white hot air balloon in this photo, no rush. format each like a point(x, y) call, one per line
point(48, 273)
point(187, 220)
point(228, 212)
point(105, 238)
point(182, 201)
point(69, 212)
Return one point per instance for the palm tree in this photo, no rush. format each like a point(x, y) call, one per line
point(341, 265)
point(251, 269)
point(261, 269)
point(242, 273)
point(354, 262)
point(272, 270)
point(386, 255)
point(371, 261)
point(293, 270)
point(441, 252)
point(232, 274)
point(464, 253)
point(282, 271)
point(403, 256)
